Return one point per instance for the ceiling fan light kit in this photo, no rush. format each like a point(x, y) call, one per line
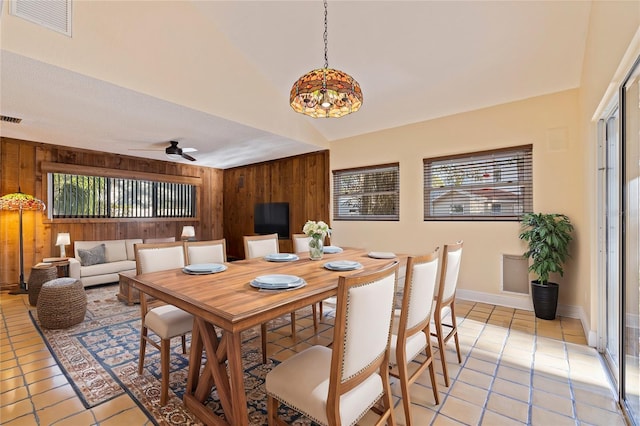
point(176, 153)
point(326, 92)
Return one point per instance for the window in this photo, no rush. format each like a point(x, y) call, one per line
point(488, 185)
point(368, 193)
point(457, 209)
point(82, 196)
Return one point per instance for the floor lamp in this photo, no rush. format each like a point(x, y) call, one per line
point(20, 202)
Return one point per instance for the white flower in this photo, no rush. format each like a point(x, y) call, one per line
point(315, 229)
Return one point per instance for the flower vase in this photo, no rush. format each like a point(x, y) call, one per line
point(316, 248)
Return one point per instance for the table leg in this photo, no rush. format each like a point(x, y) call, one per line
point(236, 376)
point(195, 359)
point(199, 387)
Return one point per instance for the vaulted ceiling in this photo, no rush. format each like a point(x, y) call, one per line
point(216, 75)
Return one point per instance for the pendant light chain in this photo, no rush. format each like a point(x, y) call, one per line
point(325, 35)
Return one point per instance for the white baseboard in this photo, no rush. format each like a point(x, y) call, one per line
point(523, 301)
point(510, 300)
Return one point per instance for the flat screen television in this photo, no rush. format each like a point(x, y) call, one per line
point(269, 218)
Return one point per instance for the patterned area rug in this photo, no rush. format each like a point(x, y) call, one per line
point(100, 359)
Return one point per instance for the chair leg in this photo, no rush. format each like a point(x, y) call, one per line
point(403, 375)
point(263, 332)
point(293, 326)
point(455, 339)
point(143, 348)
point(184, 344)
point(314, 310)
point(320, 306)
point(387, 399)
point(432, 372)
point(164, 370)
point(455, 331)
point(441, 348)
point(272, 410)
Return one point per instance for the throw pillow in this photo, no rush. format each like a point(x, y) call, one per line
point(93, 256)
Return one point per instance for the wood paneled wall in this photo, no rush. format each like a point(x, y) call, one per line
point(21, 161)
point(226, 202)
point(302, 181)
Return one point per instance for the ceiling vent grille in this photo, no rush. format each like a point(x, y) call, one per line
point(10, 119)
point(52, 14)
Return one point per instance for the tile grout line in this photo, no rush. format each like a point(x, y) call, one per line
point(495, 371)
point(22, 373)
point(574, 407)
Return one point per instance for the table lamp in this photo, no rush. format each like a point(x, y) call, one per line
point(188, 233)
point(63, 240)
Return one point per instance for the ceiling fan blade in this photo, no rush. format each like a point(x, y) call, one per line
point(189, 150)
point(188, 157)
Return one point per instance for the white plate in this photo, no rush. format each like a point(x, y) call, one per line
point(332, 249)
point(277, 281)
point(281, 257)
point(204, 268)
point(343, 265)
point(263, 287)
point(382, 255)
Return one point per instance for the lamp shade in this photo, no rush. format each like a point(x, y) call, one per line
point(21, 201)
point(188, 232)
point(63, 239)
point(326, 92)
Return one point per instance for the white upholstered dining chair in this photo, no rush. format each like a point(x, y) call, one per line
point(411, 329)
point(444, 314)
point(260, 246)
point(338, 386)
point(300, 243)
point(213, 251)
point(166, 321)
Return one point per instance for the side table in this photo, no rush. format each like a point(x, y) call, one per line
point(61, 263)
point(128, 293)
point(40, 274)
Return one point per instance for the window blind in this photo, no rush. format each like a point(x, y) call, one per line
point(488, 185)
point(368, 193)
point(80, 196)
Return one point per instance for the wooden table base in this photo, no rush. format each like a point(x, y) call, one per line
point(199, 388)
point(127, 292)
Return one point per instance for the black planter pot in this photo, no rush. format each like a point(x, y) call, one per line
point(545, 299)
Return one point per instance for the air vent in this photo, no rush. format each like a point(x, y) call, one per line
point(52, 14)
point(10, 119)
point(515, 273)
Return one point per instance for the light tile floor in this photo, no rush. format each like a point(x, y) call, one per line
point(515, 370)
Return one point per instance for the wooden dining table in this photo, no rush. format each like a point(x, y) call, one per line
point(227, 301)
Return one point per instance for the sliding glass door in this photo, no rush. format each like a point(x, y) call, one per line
point(610, 151)
point(630, 265)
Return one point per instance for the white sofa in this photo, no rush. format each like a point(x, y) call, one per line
point(118, 257)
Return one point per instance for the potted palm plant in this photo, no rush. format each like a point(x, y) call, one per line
point(548, 236)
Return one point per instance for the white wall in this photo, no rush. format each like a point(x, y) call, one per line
point(564, 137)
point(548, 122)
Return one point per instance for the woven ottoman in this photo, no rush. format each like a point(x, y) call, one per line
point(62, 303)
point(40, 274)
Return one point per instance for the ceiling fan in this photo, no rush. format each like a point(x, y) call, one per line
point(173, 151)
